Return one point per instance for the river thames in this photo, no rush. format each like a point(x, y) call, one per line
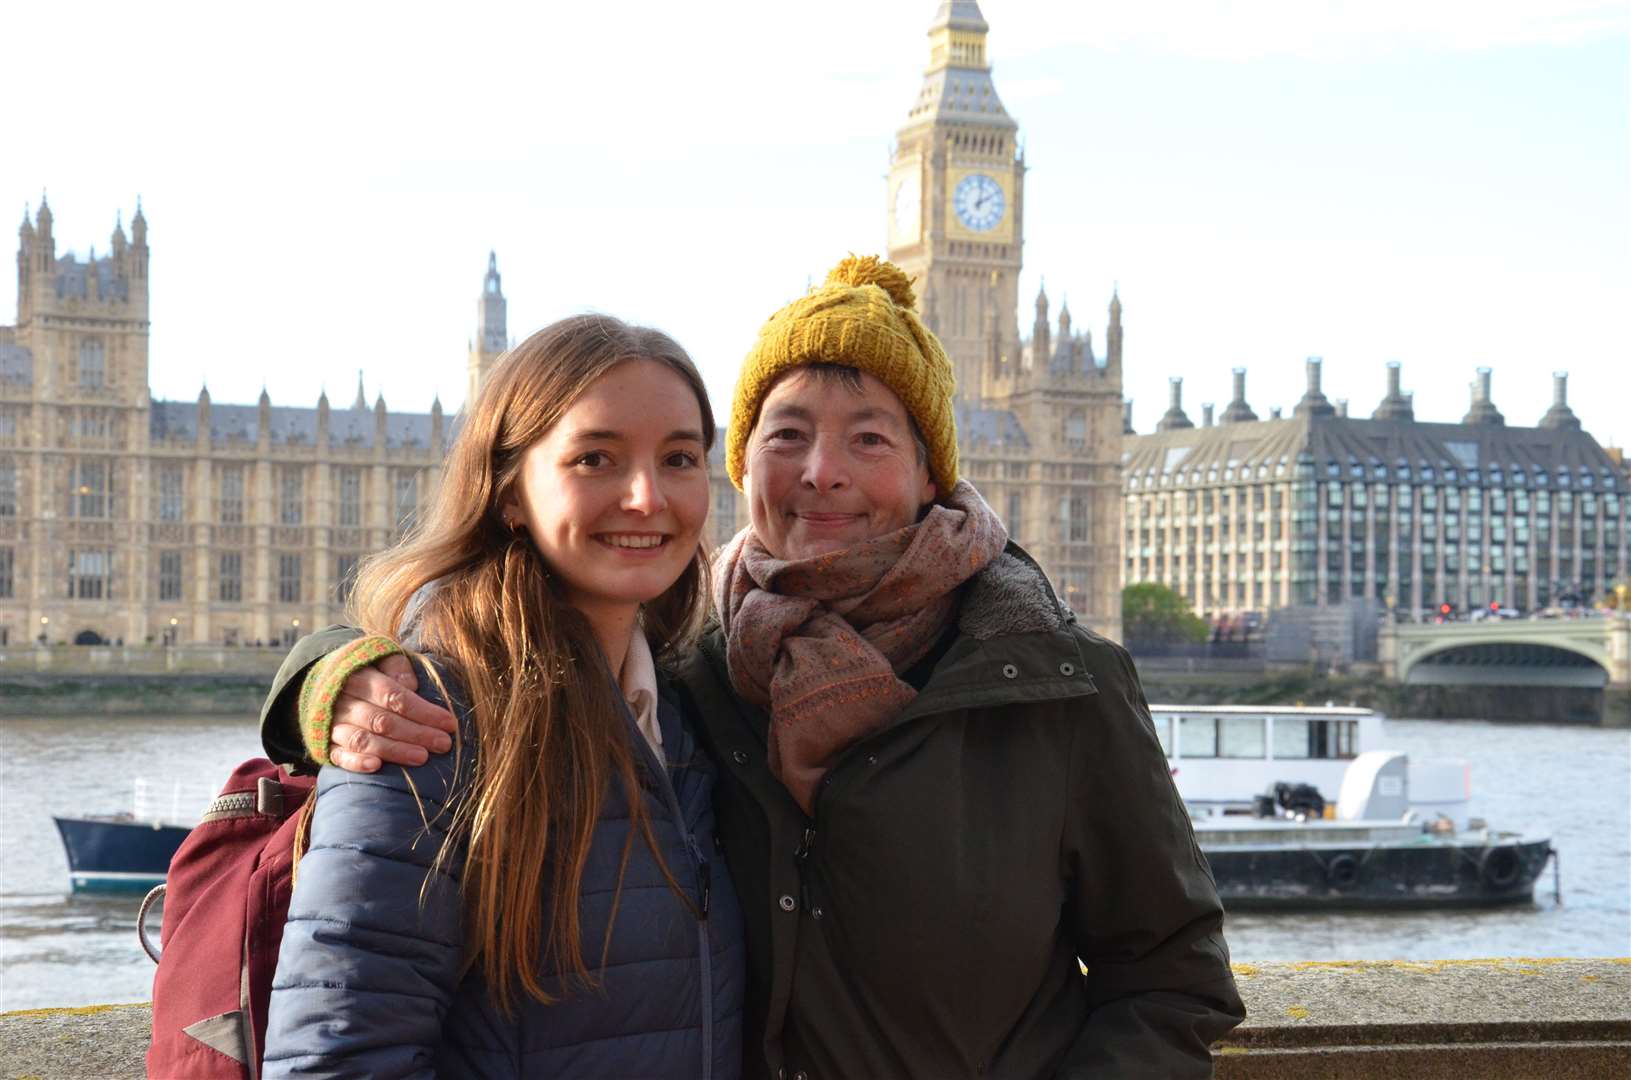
point(61, 949)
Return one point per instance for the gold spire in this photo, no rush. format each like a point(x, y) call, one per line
point(957, 37)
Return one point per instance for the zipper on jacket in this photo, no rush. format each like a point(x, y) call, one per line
point(704, 871)
point(704, 875)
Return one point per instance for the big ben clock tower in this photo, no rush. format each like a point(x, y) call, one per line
point(956, 202)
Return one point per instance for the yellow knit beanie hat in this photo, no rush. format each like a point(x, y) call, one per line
point(861, 317)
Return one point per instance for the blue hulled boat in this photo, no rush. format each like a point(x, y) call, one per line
point(118, 852)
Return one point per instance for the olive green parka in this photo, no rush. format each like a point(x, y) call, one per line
point(927, 919)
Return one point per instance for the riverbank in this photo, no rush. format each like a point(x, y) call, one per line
point(1173, 684)
point(212, 681)
point(132, 695)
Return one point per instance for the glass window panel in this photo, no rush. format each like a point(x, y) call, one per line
point(1198, 736)
point(1241, 736)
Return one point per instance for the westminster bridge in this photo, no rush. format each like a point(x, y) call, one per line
point(1590, 652)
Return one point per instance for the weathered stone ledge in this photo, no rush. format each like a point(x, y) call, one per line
point(1461, 1019)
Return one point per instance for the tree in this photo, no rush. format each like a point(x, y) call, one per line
point(1155, 615)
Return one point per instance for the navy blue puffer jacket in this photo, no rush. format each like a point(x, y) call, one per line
point(368, 979)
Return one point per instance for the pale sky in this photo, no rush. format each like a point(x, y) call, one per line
point(1446, 183)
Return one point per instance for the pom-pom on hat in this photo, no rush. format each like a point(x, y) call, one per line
point(861, 317)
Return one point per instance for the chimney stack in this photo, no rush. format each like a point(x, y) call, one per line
point(1175, 418)
point(1397, 404)
point(1483, 410)
point(1314, 402)
point(1206, 415)
point(1127, 416)
point(1274, 413)
point(1238, 411)
point(1342, 407)
point(1560, 416)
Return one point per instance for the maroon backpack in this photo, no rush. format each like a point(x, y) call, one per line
point(225, 900)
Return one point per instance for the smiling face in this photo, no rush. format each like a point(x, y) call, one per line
point(828, 467)
point(615, 494)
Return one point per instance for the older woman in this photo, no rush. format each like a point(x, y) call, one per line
point(938, 792)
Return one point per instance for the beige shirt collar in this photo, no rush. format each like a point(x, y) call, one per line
point(638, 681)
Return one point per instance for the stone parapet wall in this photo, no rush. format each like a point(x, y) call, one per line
point(1460, 1019)
point(59, 660)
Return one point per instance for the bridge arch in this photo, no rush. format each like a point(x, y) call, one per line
point(1517, 659)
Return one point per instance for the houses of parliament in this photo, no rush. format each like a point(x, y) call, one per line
point(129, 519)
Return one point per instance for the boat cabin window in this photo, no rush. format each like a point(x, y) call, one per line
point(1163, 731)
point(1242, 736)
point(1298, 737)
point(1198, 736)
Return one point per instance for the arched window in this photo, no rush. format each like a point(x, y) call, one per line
point(92, 364)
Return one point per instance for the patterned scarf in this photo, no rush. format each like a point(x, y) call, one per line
point(821, 641)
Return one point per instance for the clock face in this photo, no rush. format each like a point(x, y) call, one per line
point(908, 210)
point(979, 202)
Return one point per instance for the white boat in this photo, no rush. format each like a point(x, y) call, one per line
point(1224, 756)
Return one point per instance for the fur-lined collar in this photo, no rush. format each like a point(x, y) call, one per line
point(1010, 596)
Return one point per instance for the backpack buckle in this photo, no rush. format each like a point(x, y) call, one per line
point(268, 797)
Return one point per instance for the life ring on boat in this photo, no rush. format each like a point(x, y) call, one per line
point(1499, 866)
point(1342, 872)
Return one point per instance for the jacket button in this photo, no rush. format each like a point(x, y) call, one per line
point(816, 912)
point(872, 759)
point(1067, 669)
point(1009, 671)
point(801, 1075)
point(739, 756)
point(787, 902)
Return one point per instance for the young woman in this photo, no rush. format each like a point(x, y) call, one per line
point(544, 900)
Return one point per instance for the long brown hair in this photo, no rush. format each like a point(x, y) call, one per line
point(550, 740)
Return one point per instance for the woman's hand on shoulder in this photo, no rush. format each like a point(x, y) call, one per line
point(380, 718)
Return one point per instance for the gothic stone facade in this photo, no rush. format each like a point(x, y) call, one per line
point(124, 518)
point(1039, 417)
point(128, 519)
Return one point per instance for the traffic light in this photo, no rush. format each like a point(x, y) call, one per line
point(1495, 606)
point(1445, 609)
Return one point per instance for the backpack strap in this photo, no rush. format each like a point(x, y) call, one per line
point(154, 895)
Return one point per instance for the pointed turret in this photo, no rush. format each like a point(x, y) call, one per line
point(1237, 411)
point(1314, 402)
point(138, 225)
point(361, 402)
point(1396, 405)
point(492, 330)
point(45, 244)
point(203, 432)
point(1112, 337)
point(1064, 320)
point(1041, 333)
point(1174, 418)
point(263, 418)
point(117, 240)
point(1483, 410)
point(1560, 416)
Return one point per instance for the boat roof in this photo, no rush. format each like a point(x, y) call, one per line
point(1268, 710)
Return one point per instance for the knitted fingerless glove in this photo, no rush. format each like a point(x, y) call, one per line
point(324, 682)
